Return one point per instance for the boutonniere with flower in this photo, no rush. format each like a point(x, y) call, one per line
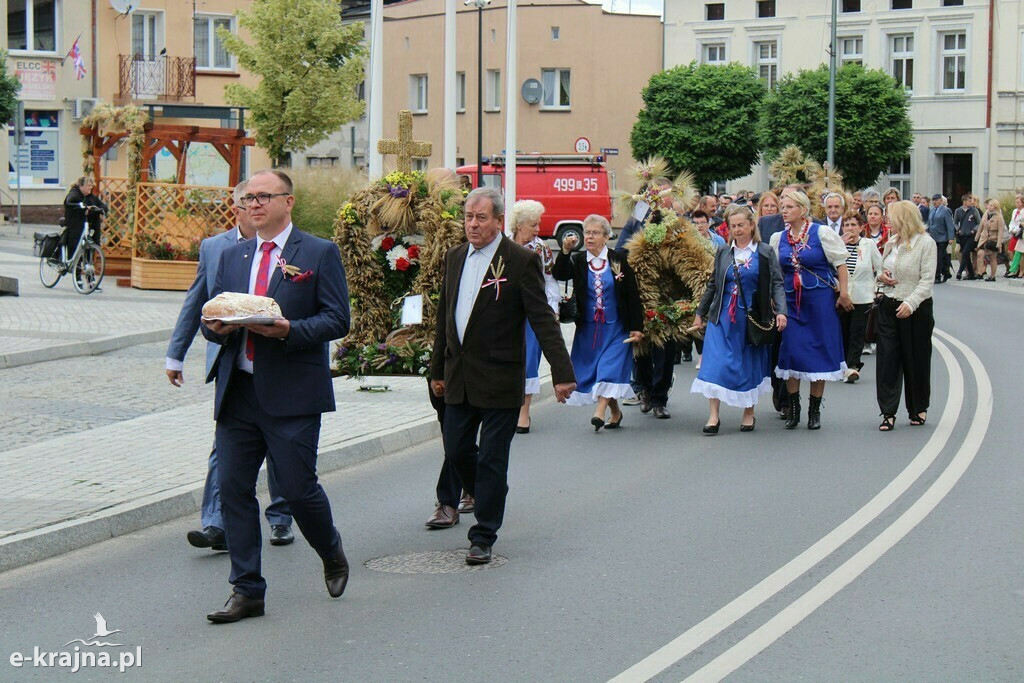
point(496, 278)
point(616, 270)
point(293, 273)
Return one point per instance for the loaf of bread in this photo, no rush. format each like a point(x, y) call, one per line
point(238, 305)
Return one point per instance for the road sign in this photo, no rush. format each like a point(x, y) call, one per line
point(582, 145)
point(610, 151)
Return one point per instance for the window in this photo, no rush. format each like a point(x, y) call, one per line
point(32, 25)
point(766, 58)
point(713, 53)
point(765, 9)
point(318, 162)
point(209, 48)
point(952, 3)
point(556, 88)
point(902, 4)
point(851, 50)
point(899, 177)
point(492, 85)
point(851, 5)
point(954, 61)
point(361, 91)
point(901, 50)
point(714, 11)
point(554, 33)
point(40, 155)
point(460, 92)
point(420, 163)
point(418, 93)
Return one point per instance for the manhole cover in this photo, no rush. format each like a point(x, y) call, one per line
point(431, 562)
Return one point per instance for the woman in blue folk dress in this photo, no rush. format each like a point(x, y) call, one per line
point(524, 224)
point(608, 304)
point(732, 370)
point(814, 273)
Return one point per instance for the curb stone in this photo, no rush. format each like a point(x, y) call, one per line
point(91, 347)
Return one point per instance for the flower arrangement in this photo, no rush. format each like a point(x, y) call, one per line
point(409, 358)
point(387, 258)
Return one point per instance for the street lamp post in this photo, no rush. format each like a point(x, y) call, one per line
point(831, 154)
point(479, 4)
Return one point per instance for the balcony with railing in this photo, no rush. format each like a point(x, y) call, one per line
point(156, 78)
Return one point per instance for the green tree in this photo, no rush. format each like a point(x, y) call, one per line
point(309, 65)
point(873, 130)
point(702, 119)
point(9, 87)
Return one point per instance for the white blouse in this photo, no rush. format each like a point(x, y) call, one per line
point(831, 243)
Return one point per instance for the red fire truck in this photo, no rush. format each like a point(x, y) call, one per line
point(570, 186)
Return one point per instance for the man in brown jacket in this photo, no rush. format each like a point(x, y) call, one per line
point(491, 287)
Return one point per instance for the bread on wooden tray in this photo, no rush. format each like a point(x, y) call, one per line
point(238, 305)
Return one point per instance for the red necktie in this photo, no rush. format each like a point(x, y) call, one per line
point(262, 278)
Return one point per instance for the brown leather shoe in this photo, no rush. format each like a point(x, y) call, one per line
point(336, 573)
point(467, 504)
point(237, 607)
point(444, 517)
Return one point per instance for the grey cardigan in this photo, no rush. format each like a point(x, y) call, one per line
point(712, 299)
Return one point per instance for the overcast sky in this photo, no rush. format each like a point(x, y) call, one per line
point(635, 6)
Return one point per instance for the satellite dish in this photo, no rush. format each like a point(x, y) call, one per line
point(124, 6)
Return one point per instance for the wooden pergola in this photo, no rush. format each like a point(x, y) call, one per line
point(229, 143)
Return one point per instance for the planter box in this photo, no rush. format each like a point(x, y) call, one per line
point(152, 274)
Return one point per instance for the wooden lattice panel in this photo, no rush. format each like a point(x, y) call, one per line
point(117, 230)
point(178, 217)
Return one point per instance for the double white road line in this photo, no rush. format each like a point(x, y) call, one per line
point(799, 609)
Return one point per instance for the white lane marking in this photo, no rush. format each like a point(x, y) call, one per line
point(777, 626)
point(728, 615)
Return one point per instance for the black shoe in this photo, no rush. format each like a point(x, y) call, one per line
point(749, 427)
point(687, 357)
point(237, 607)
point(793, 411)
point(712, 429)
point(597, 422)
point(661, 413)
point(523, 430)
point(479, 554)
point(645, 403)
point(281, 535)
point(614, 425)
point(336, 573)
point(211, 537)
point(814, 412)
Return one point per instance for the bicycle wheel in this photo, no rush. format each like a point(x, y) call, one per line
point(89, 269)
point(49, 272)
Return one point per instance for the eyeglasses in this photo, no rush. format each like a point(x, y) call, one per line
point(261, 199)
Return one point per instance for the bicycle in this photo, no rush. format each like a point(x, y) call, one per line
point(86, 264)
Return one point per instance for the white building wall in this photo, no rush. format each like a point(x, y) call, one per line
point(944, 122)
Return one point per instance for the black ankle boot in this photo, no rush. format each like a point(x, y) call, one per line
point(814, 412)
point(793, 411)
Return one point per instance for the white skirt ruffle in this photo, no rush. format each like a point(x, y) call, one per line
point(837, 376)
point(532, 385)
point(601, 390)
point(736, 399)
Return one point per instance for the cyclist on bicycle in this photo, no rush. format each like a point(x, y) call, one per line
point(81, 206)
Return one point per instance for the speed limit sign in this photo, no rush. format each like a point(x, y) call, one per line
point(582, 146)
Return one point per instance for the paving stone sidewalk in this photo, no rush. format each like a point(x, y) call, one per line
point(58, 320)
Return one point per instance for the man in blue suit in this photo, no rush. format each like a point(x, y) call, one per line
point(277, 513)
point(273, 384)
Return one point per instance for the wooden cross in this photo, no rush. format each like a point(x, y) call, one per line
point(405, 147)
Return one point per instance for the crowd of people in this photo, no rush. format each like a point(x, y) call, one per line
point(799, 293)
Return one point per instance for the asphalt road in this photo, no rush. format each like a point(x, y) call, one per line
point(654, 552)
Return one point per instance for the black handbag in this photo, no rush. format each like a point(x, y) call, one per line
point(759, 333)
point(567, 308)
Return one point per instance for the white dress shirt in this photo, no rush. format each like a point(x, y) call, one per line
point(473, 271)
point(836, 227)
point(242, 362)
point(179, 365)
point(744, 254)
